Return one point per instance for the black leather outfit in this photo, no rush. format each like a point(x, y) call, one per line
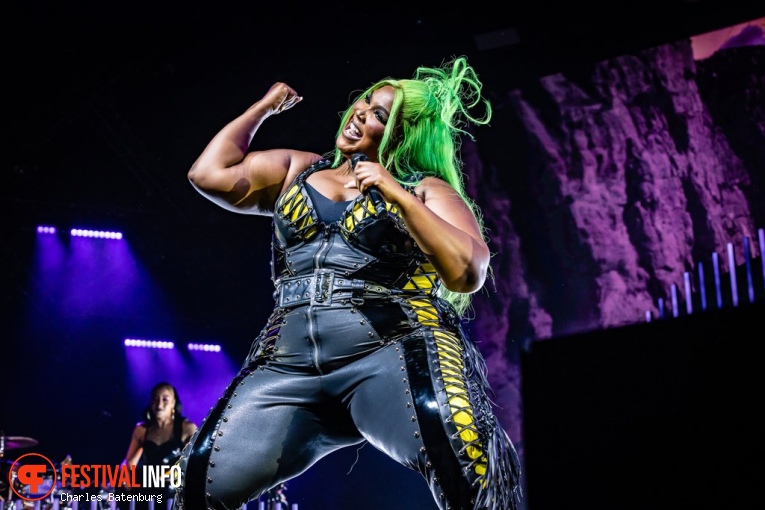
point(358, 348)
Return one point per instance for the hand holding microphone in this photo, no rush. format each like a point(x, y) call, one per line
point(372, 192)
point(356, 158)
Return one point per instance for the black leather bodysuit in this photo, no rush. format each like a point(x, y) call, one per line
point(358, 348)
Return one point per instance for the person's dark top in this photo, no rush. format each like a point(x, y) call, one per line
point(166, 453)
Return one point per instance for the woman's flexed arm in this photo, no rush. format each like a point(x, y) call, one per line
point(249, 182)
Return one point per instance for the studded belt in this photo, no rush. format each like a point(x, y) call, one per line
point(323, 287)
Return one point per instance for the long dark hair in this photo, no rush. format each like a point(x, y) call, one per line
point(148, 413)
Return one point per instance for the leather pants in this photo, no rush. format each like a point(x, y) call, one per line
point(318, 378)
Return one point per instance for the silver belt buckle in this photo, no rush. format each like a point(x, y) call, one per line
point(323, 286)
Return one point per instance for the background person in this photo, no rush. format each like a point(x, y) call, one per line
point(158, 439)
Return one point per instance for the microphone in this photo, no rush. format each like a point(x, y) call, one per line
point(372, 192)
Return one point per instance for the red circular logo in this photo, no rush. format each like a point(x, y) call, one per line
point(33, 475)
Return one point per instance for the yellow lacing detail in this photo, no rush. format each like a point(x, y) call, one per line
point(450, 355)
point(362, 210)
point(424, 278)
point(293, 207)
point(427, 315)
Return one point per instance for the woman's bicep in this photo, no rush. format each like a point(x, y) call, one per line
point(444, 201)
point(255, 172)
point(251, 185)
point(454, 242)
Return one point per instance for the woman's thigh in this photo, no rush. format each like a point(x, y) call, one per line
point(412, 404)
point(267, 428)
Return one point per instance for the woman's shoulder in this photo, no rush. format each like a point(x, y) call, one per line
point(431, 185)
point(140, 429)
point(188, 428)
point(430, 180)
point(301, 162)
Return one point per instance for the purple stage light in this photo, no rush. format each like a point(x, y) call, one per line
point(204, 347)
point(80, 232)
point(43, 229)
point(149, 344)
point(206, 379)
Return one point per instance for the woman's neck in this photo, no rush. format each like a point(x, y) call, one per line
point(344, 168)
point(164, 422)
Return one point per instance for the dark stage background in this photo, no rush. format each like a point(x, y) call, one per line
point(107, 106)
point(655, 415)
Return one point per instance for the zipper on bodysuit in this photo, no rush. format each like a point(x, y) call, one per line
point(326, 242)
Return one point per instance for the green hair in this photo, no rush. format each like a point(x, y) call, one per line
point(430, 113)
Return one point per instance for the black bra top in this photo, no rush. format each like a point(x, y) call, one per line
point(327, 210)
point(167, 452)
